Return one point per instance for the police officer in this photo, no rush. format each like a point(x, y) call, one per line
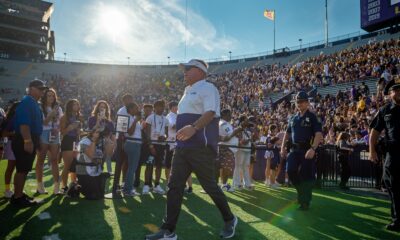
point(388, 119)
point(304, 133)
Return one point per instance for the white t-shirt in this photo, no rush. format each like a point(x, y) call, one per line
point(123, 111)
point(226, 129)
point(138, 129)
point(158, 124)
point(91, 170)
point(56, 124)
point(171, 117)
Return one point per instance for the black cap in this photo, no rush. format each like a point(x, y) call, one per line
point(392, 85)
point(38, 84)
point(302, 96)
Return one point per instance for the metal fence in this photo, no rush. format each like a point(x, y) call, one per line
point(364, 173)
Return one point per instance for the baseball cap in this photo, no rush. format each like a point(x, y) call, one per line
point(392, 85)
point(302, 96)
point(195, 63)
point(38, 84)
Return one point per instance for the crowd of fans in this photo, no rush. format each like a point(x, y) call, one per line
point(350, 111)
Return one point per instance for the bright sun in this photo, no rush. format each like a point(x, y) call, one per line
point(113, 22)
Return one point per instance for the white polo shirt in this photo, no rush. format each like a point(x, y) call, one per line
point(199, 98)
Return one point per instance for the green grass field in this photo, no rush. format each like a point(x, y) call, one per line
point(263, 214)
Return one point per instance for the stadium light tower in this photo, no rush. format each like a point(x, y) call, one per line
point(300, 41)
point(128, 59)
point(65, 57)
point(326, 24)
point(230, 55)
point(168, 59)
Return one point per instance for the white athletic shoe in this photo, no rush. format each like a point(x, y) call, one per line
point(40, 188)
point(274, 186)
point(133, 193)
point(56, 189)
point(146, 190)
point(158, 189)
point(228, 188)
point(8, 194)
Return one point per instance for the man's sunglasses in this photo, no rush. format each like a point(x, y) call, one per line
point(188, 68)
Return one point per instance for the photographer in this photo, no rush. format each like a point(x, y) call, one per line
point(101, 120)
point(89, 167)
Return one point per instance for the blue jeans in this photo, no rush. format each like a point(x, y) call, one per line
point(132, 150)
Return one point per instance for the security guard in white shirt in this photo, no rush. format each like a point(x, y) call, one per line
point(196, 150)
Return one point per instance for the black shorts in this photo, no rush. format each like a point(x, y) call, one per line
point(23, 160)
point(168, 157)
point(67, 143)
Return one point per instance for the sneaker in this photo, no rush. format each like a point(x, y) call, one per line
point(22, 202)
point(266, 182)
point(146, 190)
point(64, 190)
point(304, 207)
point(273, 185)
point(203, 191)
point(229, 229)
point(393, 227)
point(158, 189)
point(189, 190)
point(56, 189)
point(250, 188)
point(132, 193)
point(8, 194)
point(162, 235)
point(40, 189)
point(227, 188)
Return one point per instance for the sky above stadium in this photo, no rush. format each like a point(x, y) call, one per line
point(152, 30)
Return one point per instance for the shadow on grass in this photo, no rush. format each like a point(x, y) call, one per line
point(333, 214)
point(263, 214)
point(70, 219)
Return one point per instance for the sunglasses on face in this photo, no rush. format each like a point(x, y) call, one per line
point(188, 68)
